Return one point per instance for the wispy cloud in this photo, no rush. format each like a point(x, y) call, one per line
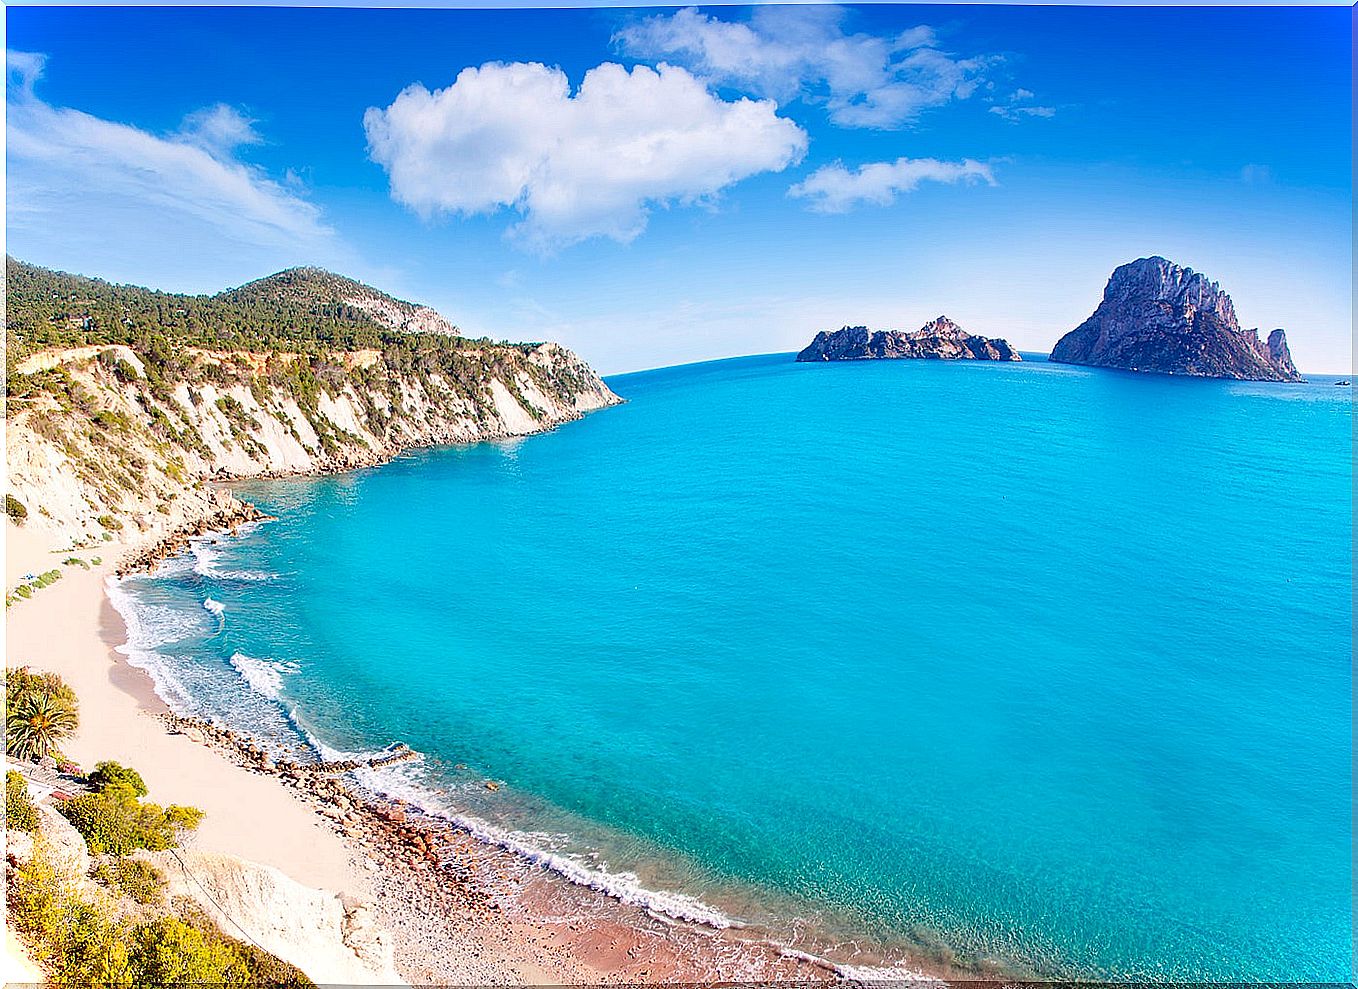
point(789, 52)
point(838, 189)
point(219, 130)
point(1020, 105)
point(593, 163)
point(93, 194)
point(22, 70)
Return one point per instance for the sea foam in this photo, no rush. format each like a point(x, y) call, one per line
point(265, 676)
point(207, 556)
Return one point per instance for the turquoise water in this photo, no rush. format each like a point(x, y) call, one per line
point(1034, 663)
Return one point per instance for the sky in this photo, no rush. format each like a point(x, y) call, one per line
point(664, 185)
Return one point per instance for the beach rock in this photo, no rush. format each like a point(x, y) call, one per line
point(1160, 317)
point(941, 339)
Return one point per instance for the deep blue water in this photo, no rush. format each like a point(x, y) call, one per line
point(1038, 663)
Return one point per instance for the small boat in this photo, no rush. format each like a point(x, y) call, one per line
point(1344, 382)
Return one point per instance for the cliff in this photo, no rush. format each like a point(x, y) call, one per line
point(123, 404)
point(941, 339)
point(332, 938)
point(1157, 316)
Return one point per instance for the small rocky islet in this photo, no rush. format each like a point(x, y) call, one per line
point(941, 339)
point(1163, 318)
point(1155, 316)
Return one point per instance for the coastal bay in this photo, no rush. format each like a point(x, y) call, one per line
point(585, 718)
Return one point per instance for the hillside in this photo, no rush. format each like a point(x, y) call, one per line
point(123, 403)
point(304, 309)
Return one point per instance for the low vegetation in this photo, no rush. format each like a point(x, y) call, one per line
point(86, 938)
point(118, 930)
point(20, 812)
point(139, 881)
point(26, 591)
point(114, 821)
point(15, 509)
point(113, 776)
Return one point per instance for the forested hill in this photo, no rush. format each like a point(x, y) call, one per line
point(122, 402)
point(305, 310)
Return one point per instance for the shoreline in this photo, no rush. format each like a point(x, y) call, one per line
point(482, 914)
point(468, 880)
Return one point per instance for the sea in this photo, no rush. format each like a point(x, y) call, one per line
point(1026, 666)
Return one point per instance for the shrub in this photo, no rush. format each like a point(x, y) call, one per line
point(81, 941)
point(141, 881)
point(24, 591)
point(73, 936)
point(35, 901)
point(15, 509)
point(170, 952)
point(109, 522)
point(113, 822)
point(75, 561)
point(20, 812)
point(111, 775)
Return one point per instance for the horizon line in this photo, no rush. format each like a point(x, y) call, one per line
point(453, 322)
point(1044, 355)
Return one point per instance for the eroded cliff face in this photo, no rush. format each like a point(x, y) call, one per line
point(95, 445)
point(1158, 316)
point(941, 339)
point(333, 939)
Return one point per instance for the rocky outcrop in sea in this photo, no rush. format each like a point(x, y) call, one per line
point(941, 339)
point(1160, 317)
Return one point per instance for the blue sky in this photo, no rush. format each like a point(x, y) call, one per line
point(655, 186)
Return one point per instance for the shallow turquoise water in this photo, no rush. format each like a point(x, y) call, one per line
point(1040, 663)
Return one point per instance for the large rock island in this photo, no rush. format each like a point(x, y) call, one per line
point(940, 340)
point(1157, 316)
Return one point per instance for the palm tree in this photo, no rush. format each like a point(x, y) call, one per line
point(36, 724)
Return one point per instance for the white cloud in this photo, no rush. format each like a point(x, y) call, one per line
point(512, 136)
point(786, 52)
point(219, 130)
point(1016, 113)
point(1019, 106)
point(22, 69)
point(100, 196)
point(837, 189)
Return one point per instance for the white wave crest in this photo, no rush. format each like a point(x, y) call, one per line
point(893, 974)
point(264, 676)
point(206, 557)
point(148, 628)
point(625, 887)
